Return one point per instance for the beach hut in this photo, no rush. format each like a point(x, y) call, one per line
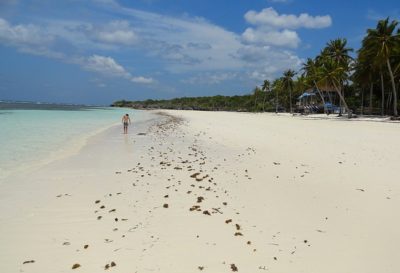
point(308, 102)
point(324, 99)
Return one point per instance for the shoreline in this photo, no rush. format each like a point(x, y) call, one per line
point(212, 191)
point(64, 150)
point(68, 149)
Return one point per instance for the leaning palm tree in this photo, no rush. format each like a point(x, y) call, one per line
point(288, 84)
point(381, 43)
point(311, 73)
point(266, 87)
point(339, 53)
point(333, 74)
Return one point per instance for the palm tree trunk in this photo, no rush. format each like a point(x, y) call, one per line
point(388, 101)
point(330, 97)
point(320, 94)
point(394, 88)
point(276, 102)
point(383, 95)
point(342, 100)
point(371, 90)
point(290, 99)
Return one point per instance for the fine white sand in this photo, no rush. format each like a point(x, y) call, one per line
point(245, 192)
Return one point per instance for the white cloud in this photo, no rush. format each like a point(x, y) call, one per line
point(181, 45)
point(272, 28)
point(185, 43)
point(21, 35)
point(36, 40)
point(266, 61)
point(270, 17)
point(116, 32)
point(106, 66)
point(287, 38)
point(142, 80)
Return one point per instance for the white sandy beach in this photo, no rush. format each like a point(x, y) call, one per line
point(212, 192)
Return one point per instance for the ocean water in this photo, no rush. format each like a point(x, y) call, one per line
point(32, 134)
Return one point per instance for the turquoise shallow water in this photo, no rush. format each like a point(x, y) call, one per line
point(30, 137)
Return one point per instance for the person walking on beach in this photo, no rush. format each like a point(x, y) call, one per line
point(126, 121)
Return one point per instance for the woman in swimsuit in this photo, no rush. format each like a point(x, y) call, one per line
point(126, 121)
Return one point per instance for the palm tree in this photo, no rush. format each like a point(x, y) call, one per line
point(364, 75)
point(277, 86)
point(368, 59)
point(380, 43)
point(339, 53)
point(310, 71)
point(266, 87)
point(333, 74)
point(288, 84)
point(256, 91)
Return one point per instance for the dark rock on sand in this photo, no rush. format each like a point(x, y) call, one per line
point(234, 268)
point(75, 266)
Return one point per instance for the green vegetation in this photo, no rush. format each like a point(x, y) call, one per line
point(365, 84)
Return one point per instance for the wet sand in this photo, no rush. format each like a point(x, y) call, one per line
point(212, 192)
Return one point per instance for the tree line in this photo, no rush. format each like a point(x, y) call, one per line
point(364, 84)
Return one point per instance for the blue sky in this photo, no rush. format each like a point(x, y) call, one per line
point(99, 51)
